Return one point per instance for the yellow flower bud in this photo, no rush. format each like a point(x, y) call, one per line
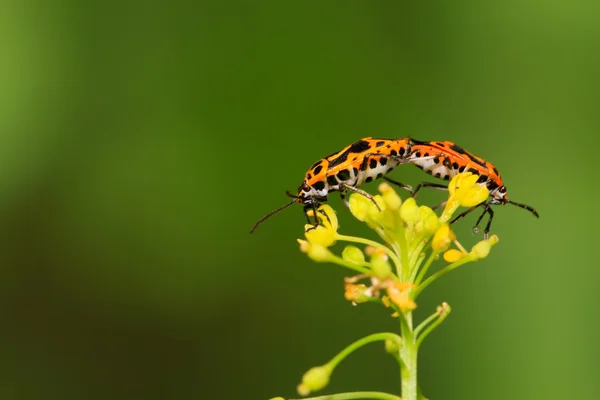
point(467, 191)
point(442, 238)
point(353, 255)
point(390, 197)
point(380, 266)
point(315, 251)
point(330, 218)
point(454, 255)
point(464, 191)
point(428, 221)
point(322, 235)
point(482, 249)
point(392, 346)
point(314, 379)
point(359, 206)
point(409, 211)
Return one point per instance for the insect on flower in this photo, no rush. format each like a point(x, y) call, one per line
point(362, 161)
point(445, 160)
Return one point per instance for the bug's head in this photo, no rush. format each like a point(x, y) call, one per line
point(307, 195)
point(500, 197)
point(498, 194)
point(311, 194)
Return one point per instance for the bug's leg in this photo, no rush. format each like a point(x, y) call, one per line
point(361, 192)
point(485, 210)
point(464, 213)
point(438, 186)
point(442, 204)
point(486, 231)
point(399, 184)
point(314, 223)
point(344, 199)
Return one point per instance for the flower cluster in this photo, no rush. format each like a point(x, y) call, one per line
point(394, 272)
point(409, 232)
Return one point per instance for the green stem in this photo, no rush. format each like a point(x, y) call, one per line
point(408, 354)
point(425, 323)
point(425, 268)
point(442, 272)
point(416, 265)
point(441, 317)
point(359, 343)
point(363, 269)
point(404, 272)
point(368, 242)
point(355, 396)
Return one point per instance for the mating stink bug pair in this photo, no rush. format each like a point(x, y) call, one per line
point(369, 159)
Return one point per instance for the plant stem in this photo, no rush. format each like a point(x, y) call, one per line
point(355, 396)
point(359, 343)
point(440, 273)
point(368, 242)
point(408, 354)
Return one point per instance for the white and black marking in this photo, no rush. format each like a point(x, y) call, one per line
point(437, 169)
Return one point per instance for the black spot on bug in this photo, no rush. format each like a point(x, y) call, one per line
point(438, 175)
point(394, 153)
point(475, 159)
point(318, 169)
point(502, 189)
point(391, 168)
point(383, 160)
point(318, 186)
point(401, 150)
point(455, 165)
point(378, 144)
point(436, 160)
point(316, 164)
point(482, 179)
point(418, 154)
point(491, 185)
point(379, 175)
point(357, 147)
point(369, 179)
point(308, 176)
point(461, 169)
point(343, 175)
point(331, 180)
point(446, 177)
point(495, 170)
point(373, 163)
point(426, 155)
point(473, 171)
point(441, 144)
point(355, 170)
point(457, 148)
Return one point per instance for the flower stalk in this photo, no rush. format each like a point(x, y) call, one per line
point(393, 272)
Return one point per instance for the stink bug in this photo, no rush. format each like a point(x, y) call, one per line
point(362, 161)
point(445, 160)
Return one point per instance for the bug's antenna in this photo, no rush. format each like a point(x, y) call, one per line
point(271, 214)
point(525, 206)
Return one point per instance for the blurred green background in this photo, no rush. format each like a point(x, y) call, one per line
point(140, 141)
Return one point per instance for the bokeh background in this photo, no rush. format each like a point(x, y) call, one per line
point(139, 142)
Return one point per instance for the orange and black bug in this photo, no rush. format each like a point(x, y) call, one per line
point(362, 161)
point(445, 160)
